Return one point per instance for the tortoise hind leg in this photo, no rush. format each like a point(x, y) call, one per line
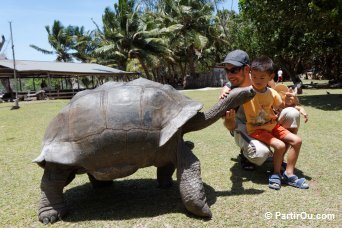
point(52, 206)
point(97, 183)
point(164, 175)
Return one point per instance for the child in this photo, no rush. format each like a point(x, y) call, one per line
point(262, 125)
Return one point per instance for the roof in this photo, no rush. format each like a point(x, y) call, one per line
point(30, 69)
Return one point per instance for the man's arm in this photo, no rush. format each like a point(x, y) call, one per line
point(303, 112)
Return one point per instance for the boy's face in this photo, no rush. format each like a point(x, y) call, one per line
point(260, 79)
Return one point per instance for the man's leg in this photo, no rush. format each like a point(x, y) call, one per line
point(289, 118)
point(255, 151)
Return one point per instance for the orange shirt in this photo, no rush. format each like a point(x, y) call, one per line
point(259, 111)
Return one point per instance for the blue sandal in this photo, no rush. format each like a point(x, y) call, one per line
point(294, 181)
point(274, 181)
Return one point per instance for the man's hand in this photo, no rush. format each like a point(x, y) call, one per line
point(224, 92)
point(291, 99)
point(230, 114)
point(229, 119)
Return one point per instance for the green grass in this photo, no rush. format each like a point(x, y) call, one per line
point(236, 197)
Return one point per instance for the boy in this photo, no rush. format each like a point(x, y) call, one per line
point(262, 125)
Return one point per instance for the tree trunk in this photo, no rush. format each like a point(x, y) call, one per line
point(6, 84)
point(190, 56)
point(2, 42)
point(142, 62)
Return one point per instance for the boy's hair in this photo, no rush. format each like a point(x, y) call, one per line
point(263, 63)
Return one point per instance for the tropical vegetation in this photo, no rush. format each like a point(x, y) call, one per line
point(168, 40)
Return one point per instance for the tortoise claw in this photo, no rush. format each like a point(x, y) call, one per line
point(46, 221)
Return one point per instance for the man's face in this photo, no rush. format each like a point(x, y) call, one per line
point(235, 74)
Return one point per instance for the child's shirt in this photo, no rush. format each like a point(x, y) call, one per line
point(259, 111)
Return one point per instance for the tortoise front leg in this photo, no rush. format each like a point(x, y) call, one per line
point(190, 182)
point(52, 206)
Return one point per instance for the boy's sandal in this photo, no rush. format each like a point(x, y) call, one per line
point(274, 181)
point(294, 181)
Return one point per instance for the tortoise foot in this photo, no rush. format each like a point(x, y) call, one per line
point(51, 215)
point(203, 212)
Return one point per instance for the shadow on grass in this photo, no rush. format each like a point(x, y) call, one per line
point(258, 176)
point(327, 102)
point(140, 198)
point(124, 200)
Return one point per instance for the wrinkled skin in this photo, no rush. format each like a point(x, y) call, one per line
point(112, 131)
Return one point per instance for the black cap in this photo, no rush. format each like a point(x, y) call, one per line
point(237, 58)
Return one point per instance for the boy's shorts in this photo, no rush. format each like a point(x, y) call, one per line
point(264, 136)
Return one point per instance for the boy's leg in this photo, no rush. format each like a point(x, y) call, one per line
point(293, 153)
point(289, 177)
point(278, 146)
point(274, 181)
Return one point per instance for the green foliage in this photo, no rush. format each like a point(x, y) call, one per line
point(172, 38)
point(308, 38)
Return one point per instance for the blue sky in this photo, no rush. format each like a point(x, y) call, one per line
point(29, 18)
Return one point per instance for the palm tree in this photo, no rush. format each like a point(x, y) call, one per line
point(128, 34)
point(189, 42)
point(84, 44)
point(60, 39)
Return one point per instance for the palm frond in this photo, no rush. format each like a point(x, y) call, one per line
point(44, 51)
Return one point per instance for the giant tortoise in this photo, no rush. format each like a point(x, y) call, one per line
point(112, 131)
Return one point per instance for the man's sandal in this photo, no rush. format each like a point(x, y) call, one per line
point(295, 181)
point(274, 181)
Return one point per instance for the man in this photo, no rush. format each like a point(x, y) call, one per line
point(253, 152)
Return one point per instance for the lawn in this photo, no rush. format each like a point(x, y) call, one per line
point(236, 197)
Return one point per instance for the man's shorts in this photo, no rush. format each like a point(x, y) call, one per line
point(289, 118)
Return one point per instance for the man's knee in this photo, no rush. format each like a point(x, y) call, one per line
point(289, 118)
point(256, 152)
